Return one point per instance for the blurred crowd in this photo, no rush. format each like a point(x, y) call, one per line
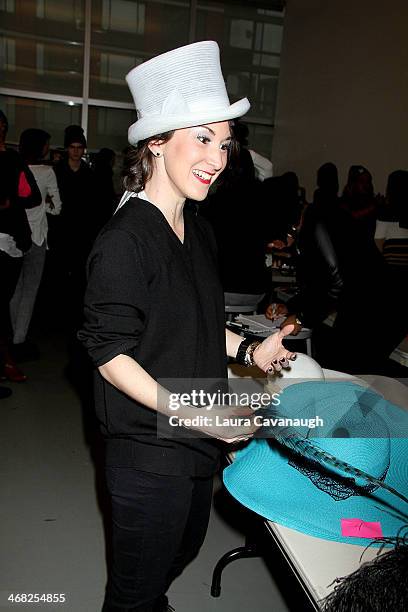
point(52, 207)
point(348, 248)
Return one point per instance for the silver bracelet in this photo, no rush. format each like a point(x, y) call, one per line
point(249, 354)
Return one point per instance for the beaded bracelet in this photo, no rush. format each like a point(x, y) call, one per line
point(245, 352)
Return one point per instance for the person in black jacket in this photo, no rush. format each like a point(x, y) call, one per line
point(319, 274)
point(18, 192)
point(236, 205)
point(78, 224)
point(102, 167)
point(341, 270)
point(154, 327)
point(326, 194)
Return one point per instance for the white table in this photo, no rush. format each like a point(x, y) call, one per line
point(316, 563)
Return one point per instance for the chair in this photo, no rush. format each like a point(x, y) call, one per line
point(241, 303)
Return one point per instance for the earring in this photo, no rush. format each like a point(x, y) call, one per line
point(158, 154)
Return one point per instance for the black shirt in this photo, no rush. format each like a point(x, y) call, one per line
point(159, 300)
point(78, 224)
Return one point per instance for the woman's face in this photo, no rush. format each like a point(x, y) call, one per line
point(195, 157)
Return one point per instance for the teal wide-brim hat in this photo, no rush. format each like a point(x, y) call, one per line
point(318, 499)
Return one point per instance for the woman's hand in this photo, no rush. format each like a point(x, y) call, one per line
point(276, 244)
point(274, 311)
point(292, 320)
point(271, 355)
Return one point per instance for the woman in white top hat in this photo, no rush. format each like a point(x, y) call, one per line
point(155, 327)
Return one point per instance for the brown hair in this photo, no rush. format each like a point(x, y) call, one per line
point(138, 163)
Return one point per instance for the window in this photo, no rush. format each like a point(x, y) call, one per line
point(270, 37)
point(241, 33)
point(42, 51)
point(47, 66)
point(115, 67)
point(108, 127)
point(8, 6)
point(127, 32)
point(53, 117)
point(40, 58)
point(55, 10)
point(269, 61)
point(263, 94)
point(260, 138)
point(250, 40)
point(7, 54)
point(123, 16)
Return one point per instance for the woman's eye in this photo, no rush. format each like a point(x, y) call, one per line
point(203, 139)
point(226, 147)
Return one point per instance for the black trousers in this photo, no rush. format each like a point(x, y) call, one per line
point(158, 526)
point(10, 268)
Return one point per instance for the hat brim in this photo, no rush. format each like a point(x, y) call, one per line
point(154, 125)
point(263, 479)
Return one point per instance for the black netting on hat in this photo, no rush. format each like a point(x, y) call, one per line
point(337, 486)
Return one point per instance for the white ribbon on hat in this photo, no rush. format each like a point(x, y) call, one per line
point(175, 104)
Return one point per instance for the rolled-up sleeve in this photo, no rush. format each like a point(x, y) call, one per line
point(116, 301)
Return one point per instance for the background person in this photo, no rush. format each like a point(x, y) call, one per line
point(34, 146)
point(319, 276)
point(326, 193)
point(18, 192)
point(234, 206)
point(77, 227)
point(102, 166)
point(391, 237)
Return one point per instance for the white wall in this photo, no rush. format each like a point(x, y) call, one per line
point(343, 88)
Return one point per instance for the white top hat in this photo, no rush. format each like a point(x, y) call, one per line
point(178, 89)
